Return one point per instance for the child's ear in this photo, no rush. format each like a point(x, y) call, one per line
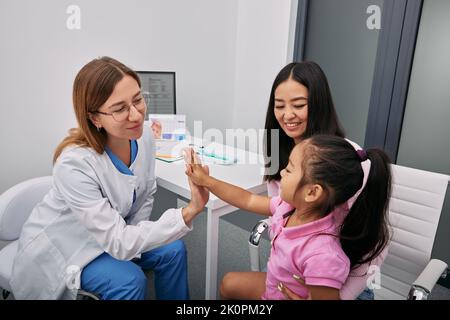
point(313, 192)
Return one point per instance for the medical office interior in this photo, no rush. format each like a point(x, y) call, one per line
point(387, 63)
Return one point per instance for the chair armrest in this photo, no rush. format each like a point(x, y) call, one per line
point(253, 242)
point(84, 295)
point(427, 279)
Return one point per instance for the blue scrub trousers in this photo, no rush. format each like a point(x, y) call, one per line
point(367, 294)
point(113, 279)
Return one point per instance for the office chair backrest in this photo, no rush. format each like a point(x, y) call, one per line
point(414, 210)
point(17, 203)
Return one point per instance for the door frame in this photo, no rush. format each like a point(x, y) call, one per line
point(395, 54)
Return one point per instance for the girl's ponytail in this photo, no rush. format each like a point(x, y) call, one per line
point(364, 232)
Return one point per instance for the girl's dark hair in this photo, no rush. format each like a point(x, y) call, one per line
point(322, 117)
point(333, 163)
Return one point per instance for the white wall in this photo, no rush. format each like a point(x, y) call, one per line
point(225, 54)
point(40, 58)
point(263, 48)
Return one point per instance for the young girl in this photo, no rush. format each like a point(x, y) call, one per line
point(310, 242)
point(301, 105)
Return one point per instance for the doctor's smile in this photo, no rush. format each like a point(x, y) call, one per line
point(139, 126)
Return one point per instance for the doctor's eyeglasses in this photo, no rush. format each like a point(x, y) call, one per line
point(121, 112)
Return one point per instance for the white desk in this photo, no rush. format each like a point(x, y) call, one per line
point(171, 176)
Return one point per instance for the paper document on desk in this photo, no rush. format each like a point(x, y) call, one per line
point(169, 151)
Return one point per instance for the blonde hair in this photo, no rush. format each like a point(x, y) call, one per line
point(93, 85)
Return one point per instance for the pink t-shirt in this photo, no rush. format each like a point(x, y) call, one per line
point(359, 276)
point(309, 251)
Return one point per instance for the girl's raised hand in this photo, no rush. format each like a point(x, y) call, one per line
point(196, 172)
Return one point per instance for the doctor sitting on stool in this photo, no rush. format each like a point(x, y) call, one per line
point(96, 216)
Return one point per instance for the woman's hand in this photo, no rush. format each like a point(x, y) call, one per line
point(289, 295)
point(199, 198)
point(318, 292)
point(194, 170)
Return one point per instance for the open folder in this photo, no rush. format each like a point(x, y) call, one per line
point(169, 151)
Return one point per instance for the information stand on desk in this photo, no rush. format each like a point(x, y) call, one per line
point(171, 176)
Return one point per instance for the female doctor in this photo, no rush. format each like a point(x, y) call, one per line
point(95, 218)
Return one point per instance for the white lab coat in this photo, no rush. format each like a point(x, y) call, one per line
point(88, 211)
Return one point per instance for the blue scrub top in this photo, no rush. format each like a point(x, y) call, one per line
point(122, 167)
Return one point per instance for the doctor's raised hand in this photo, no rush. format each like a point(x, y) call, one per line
point(199, 198)
point(96, 217)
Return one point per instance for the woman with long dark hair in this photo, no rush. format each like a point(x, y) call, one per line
point(300, 106)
